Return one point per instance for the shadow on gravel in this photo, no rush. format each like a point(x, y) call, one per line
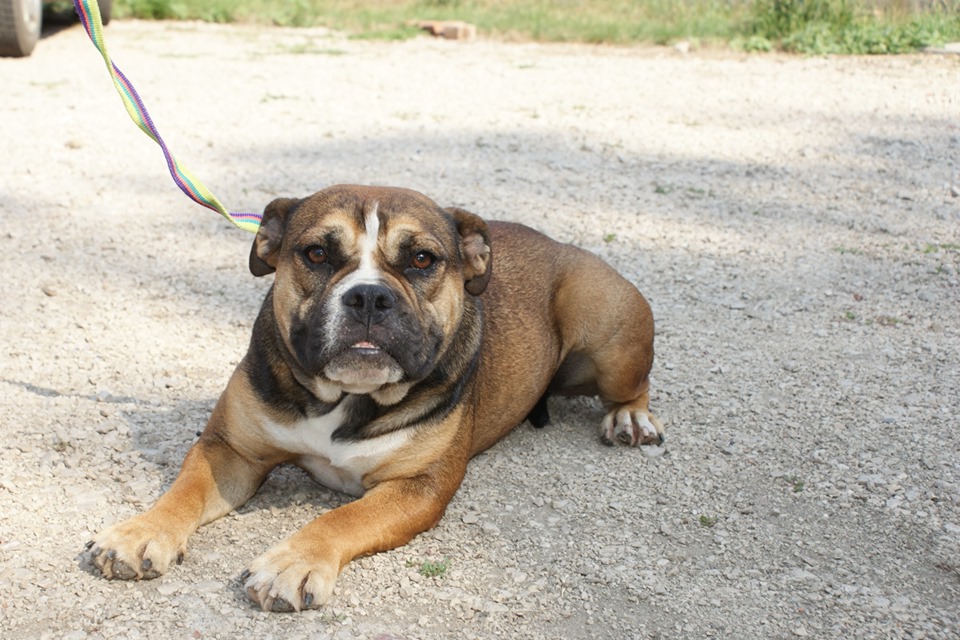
point(499, 174)
point(164, 433)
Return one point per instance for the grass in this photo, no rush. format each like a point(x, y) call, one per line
point(430, 569)
point(708, 521)
point(801, 26)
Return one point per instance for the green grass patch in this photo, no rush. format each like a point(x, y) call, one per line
point(852, 26)
point(801, 26)
point(430, 569)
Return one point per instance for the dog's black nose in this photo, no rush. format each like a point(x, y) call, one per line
point(369, 303)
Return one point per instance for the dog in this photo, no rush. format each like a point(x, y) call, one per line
point(399, 339)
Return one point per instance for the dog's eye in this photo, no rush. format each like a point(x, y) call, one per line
point(422, 260)
point(316, 254)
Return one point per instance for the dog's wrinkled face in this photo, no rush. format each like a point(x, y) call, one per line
point(370, 284)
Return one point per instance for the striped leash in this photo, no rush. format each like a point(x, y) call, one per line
point(89, 13)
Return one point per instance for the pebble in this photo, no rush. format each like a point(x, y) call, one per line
point(170, 588)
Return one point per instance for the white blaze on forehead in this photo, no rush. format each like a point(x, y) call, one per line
point(367, 272)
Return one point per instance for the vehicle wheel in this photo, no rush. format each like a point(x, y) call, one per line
point(19, 26)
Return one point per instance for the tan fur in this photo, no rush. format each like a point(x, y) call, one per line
point(555, 319)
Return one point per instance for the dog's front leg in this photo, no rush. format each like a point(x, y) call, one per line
point(300, 572)
point(214, 479)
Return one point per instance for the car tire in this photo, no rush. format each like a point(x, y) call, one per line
point(20, 22)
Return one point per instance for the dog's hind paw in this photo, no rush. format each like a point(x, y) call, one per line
point(632, 426)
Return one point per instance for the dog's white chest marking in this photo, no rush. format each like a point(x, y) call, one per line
point(336, 464)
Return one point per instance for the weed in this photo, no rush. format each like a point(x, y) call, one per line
point(609, 237)
point(937, 247)
point(850, 250)
point(889, 321)
point(271, 97)
point(795, 483)
point(707, 521)
point(430, 569)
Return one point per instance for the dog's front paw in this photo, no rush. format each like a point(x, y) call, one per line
point(291, 577)
point(632, 426)
point(139, 548)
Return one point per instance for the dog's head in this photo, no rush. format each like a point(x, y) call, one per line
point(371, 284)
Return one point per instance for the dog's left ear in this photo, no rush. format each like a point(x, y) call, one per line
point(263, 253)
point(474, 248)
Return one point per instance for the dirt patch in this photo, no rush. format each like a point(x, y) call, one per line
point(793, 221)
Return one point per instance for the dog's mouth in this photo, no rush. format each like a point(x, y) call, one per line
point(363, 367)
point(366, 348)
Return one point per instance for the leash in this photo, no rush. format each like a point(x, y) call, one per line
point(89, 13)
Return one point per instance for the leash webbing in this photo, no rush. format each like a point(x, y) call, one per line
point(89, 13)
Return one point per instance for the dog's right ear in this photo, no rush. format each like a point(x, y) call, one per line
point(475, 249)
point(263, 253)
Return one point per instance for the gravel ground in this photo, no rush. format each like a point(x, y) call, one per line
point(793, 221)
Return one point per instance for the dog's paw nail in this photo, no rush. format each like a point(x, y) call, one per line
point(112, 554)
point(147, 564)
point(180, 558)
point(123, 571)
point(607, 441)
point(625, 437)
point(245, 575)
point(307, 599)
point(280, 605)
point(660, 439)
point(88, 546)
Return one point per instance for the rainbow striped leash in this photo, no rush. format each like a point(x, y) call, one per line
point(89, 13)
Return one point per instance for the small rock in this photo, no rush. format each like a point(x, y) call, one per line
point(653, 451)
point(955, 191)
point(471, 517)
point(207, 586)
point(48, 290)
point(170, 588)
point(800, 632)
point(449, 29)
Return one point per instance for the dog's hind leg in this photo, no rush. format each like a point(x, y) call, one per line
point(539, 416)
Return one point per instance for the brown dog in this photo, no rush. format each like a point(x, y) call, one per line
point(377, 365)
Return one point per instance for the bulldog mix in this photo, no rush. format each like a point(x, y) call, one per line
point(377, 366)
